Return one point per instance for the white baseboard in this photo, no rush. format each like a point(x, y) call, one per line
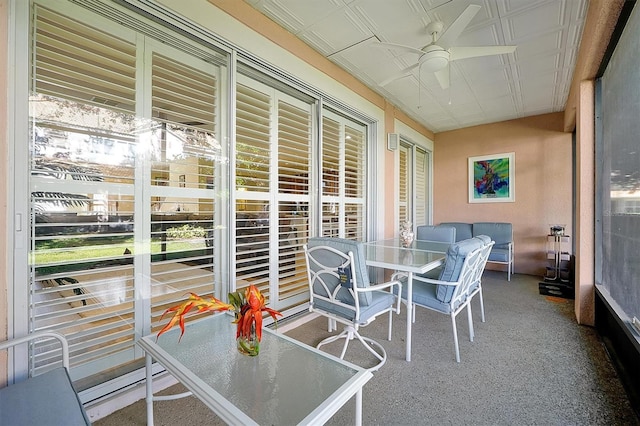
point(115, 401)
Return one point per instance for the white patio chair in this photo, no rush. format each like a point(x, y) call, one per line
point(47, 398)
point(450, 293)
point(340, 290)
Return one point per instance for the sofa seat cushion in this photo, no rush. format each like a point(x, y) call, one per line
point(47, 399)
point(380, 300)
point(499, 255)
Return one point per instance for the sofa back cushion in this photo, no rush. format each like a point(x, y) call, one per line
point(464, 231)
point(445, 234)
point(500, 232)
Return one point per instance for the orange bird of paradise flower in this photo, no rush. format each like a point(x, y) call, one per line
point(251, 313)
point(248, 308)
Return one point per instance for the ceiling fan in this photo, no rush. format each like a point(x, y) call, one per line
point(435, 56)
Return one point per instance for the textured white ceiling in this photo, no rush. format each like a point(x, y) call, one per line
point(533, 80)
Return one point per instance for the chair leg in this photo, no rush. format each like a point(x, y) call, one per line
point(455, 337)
point(349, 333)
point(481, 305)
point(347, 339)
point(390, 325)
point(470, 319)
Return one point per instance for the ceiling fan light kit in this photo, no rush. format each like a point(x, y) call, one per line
point(435, 60)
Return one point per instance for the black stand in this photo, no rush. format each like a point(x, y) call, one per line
point(558, 279)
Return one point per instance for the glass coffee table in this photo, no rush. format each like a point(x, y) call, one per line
point(287, 383)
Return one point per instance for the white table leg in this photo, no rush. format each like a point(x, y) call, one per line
point(149, 387)
point(409, 313)
point(359, 407)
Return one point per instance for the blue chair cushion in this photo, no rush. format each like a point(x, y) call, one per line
point(46, 399)
point(360, 268)
point(380, 300)
point(464, 231)
point(453, 265)
point(425, 294)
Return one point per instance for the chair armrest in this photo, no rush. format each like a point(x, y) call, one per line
point(40, 335)
point(399, 275)
point(384, 286)
point(436, 282)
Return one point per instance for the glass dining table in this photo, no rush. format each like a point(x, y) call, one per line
point(288, 383)
point(419, 258)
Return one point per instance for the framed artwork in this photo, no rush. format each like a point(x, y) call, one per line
point(492, 178)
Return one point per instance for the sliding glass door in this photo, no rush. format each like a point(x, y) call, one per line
point(125, 168)
point(156, 167)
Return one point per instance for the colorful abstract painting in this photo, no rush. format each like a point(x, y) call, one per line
point(491, 178)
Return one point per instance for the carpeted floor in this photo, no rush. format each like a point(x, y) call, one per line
point(529, 364)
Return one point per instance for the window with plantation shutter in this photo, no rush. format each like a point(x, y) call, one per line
point(413, 178)
point(404, 180)
point(82, 190)
point(182, 178)
point(422, 187)
point(122, 191)
point(273, 162)
point(343, 174)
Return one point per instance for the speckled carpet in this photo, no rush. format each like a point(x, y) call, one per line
point(529, 364)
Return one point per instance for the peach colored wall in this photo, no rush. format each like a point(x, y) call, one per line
point(543, 181)
point(585, 200)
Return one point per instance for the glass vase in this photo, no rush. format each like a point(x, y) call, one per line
point(406, 234)
point(249, 345)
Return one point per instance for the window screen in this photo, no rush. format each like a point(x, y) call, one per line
point(619, 178)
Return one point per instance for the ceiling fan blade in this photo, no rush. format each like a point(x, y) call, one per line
point(476, 51)
point(405, 72)
point(443, 76)
point(454, 30)
point(399, 47)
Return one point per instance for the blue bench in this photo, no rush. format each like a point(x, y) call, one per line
point(46, 399)
point(500, 232)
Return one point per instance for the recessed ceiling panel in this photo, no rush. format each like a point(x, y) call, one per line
point(397, 21)
point(535, 22)
point(336, 32)
point(297, 15)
